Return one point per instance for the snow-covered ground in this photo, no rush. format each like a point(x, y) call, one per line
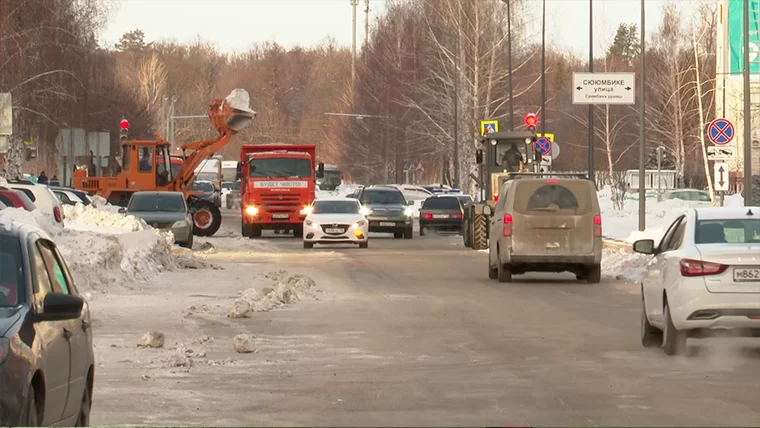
point(106, 249)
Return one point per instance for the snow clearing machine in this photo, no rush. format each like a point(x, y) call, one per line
point(501, 157)
point(144, 164)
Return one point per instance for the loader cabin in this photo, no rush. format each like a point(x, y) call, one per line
point(502, 153)
point(150, 160)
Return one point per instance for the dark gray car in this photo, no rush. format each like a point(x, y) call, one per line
point(389, 212)
point(210, 192)
point(164, 211)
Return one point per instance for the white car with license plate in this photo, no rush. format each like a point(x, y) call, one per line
point(335, 221)
point(704, 278)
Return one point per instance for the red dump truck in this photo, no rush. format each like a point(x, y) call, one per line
point(276, 186)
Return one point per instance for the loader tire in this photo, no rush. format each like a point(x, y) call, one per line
point(207, 218)
point(480, 232)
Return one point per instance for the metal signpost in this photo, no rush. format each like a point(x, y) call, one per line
point(610, 89)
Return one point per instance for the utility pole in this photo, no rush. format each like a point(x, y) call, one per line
point(748, 196)
point(354, 3)
point(642, 122)
point(543, 70)
point(591, 126)
point(509, 65)
point(366, 24)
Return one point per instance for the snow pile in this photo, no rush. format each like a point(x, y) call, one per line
point(92, 219)
point(101, 204)
point(99, 257)
point(284, 291)
point(622, 263)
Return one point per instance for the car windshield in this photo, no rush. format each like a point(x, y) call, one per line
point(386, 197)
point(236, 186)
point(728, 231)
point(203, 186)
point(11, 270)
point(464, 198)
point(280, 167)
point(441, 204)
point(335, 207)
point(330, 177)
point(166, 202)
point(227, 185)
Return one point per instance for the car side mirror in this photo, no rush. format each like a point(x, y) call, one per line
point(644, 246)
point(60, 307)
point(487, 210)
point(122, 210)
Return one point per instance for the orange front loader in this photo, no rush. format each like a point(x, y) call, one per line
point(144, 164)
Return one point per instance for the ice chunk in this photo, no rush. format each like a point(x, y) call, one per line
point(239, 99)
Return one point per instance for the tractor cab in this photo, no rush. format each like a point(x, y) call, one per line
point(501, 156)
point(148, 164)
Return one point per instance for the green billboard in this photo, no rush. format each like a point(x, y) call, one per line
point(735, 24)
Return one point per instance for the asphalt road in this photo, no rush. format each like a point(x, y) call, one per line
point(409, 333)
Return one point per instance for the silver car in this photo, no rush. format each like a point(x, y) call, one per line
point(164, 211)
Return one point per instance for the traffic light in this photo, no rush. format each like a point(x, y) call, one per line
point(123, 130)
point(531, 120)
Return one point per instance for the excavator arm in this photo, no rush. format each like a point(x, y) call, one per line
point(228, 117)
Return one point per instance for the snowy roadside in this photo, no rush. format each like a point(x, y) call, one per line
point(105, 249)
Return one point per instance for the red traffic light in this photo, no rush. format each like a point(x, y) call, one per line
point(531, 119)
point(124, 124)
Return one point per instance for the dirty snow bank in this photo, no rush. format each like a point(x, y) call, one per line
point(104, 249)
point(285, 289)
point(621, 263)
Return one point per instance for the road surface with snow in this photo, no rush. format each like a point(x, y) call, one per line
point(403, 333)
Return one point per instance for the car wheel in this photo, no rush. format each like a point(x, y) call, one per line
point(594, 274)
point(83, 420)
point(673, 340)
point(651, 337)
point(254, 231)
point(308, 245)
point(493, 272)
point(364, 244)
point(398, 235)
point(31, 416)
point(298, 232)
point(409, 233)
point(503, 274)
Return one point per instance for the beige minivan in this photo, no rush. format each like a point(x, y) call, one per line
point(546, 224)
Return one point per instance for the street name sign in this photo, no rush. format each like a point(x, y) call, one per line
point(604, 88)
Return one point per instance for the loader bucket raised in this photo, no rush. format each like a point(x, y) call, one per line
point(233, 114)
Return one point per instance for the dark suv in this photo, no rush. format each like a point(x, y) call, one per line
point(46, 355)
point(388, 211)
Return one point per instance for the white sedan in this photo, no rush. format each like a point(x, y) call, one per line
point(704, 278)
point(335, 221)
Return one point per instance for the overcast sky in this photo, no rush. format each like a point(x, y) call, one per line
point(232, 25)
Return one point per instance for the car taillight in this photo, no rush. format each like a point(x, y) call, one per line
point(495, 196)
point(597, 226)
point(57, 214)
point(691, 267)
point(456, 215)
point(426, 216)
point(507, 224)
point(552, 181)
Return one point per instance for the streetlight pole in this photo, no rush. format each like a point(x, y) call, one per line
point(543, 70)
point(642, 122)
point(591, 172)
point(748, 197)
point(456, 111)
point(509, 65)
point(354, 3)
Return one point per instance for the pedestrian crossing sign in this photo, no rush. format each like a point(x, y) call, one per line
point(489, 126)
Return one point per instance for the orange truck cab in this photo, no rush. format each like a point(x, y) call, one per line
point(277, 185)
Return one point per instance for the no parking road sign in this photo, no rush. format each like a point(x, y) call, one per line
point(544, 145)
point(720, 131)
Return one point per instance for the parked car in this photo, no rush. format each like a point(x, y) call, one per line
point(69, 196)
point(47, 367)
point(165, 211)
point(44, 198)
point(16, 199)
point(210, 192)
point(704, 278)
point(692, 198)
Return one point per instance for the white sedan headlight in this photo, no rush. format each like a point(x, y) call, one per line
point(312, 224)
point(408, 212)
point(359, 223)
